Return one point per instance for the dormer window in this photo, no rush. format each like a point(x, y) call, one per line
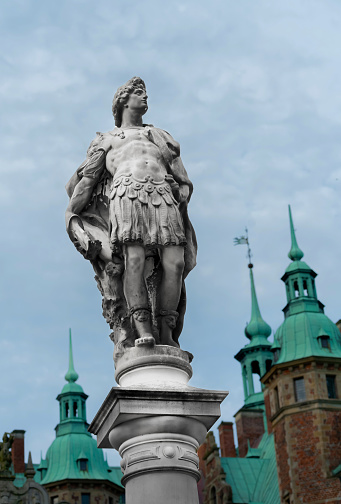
point(324, 341)
point(83, 464)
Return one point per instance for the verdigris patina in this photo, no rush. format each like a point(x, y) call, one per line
point(128, 216)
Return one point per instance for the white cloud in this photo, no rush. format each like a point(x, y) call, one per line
point(250, 89)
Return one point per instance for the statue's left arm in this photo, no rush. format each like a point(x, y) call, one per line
point(170, 150)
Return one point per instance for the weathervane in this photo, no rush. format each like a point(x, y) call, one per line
point(244, 240)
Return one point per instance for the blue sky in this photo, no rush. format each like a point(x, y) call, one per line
point(250, 89)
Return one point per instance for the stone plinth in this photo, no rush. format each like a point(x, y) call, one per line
point(144, 364)
point(157, 423)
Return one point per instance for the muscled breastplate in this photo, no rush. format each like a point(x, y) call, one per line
point(134, 153)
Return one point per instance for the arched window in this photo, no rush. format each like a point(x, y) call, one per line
point(268, 364)
point(297, 292)
point(213, 496)
point(255, 368)
point(75, 409)
point(305, 287)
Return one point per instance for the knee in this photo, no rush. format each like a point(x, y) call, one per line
point(175, 265)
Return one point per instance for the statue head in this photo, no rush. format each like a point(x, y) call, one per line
point(114, 269)
point(122, 96)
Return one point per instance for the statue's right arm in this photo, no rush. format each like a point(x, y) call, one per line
point(88, 175)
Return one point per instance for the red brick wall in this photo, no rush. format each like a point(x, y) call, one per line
point(250, 426)
point(282, 458)
point(267, 410)
point(18, 451)
point(305, 443)
point(201, 453)
point(333, 441)
point(227, 447)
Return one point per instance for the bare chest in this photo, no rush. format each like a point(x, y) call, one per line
point(131, 151)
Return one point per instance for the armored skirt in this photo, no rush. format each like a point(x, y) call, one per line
point(145, 212)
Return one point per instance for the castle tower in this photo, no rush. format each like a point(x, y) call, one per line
point(74, 467)
point(256, 359)
point(302, 391)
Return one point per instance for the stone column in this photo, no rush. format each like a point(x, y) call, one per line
point(157, 421)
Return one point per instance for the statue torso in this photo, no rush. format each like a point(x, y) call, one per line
point(129, 151)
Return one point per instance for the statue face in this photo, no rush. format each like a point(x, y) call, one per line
point(114, 269)
point(137, 101)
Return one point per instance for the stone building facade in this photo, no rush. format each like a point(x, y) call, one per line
point(289, 435)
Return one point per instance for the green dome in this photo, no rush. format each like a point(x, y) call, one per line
point(258, 329)
point(297, 266)
point(63, 460)
point(74, 455)
point(300, 336)
point(72, 387)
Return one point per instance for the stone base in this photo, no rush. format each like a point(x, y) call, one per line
point(156, 422)
point(160, 364)
point(157, 430)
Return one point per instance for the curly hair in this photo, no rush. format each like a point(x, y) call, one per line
point(122, 95)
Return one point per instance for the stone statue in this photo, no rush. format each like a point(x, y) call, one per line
point(128, 216)
point(5, 452)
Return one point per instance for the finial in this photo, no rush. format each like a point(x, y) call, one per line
point(295, 253)
point(30, 471)
point(257, 326)
point(71, 375)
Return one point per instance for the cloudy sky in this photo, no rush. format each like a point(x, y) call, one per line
point(250, 89)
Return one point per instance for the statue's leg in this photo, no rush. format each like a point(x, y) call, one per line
point(135, 289)
point(173, 263)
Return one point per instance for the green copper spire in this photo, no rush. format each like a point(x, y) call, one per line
point(74, 455)
point(257, 327)
point(306, 330)
point(255, 357)
point(295, 253)
point(71, 375)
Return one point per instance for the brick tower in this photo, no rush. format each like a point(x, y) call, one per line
point(302, 392)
